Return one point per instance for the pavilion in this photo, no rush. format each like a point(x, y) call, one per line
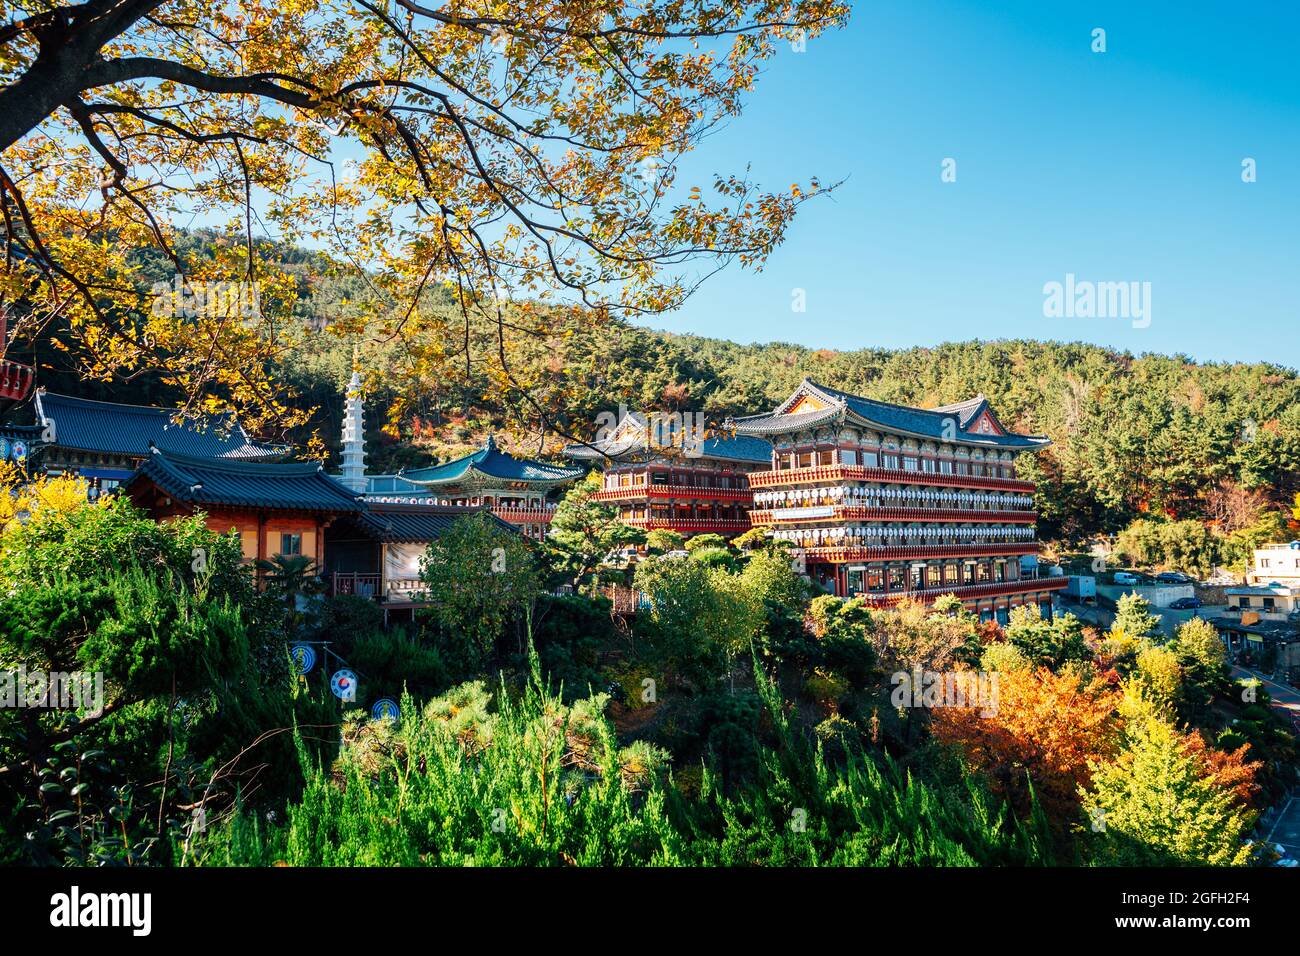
point(517, 490)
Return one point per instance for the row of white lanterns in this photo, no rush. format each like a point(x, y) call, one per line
point(873, 497)
point(927, 533)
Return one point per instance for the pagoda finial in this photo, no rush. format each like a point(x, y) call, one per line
point(491, 442)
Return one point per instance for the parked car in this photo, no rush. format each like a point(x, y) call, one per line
point(1185, 604)
point(1173, 577)
point(1127, 577)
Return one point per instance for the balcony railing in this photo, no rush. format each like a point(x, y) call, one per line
point(868, 513)
point(690, 524)
point(965, 591)
point(989, 549)
point(356, 584)
point(839, 473)
point(525, 515)
point(372, 585)
point(643, 490)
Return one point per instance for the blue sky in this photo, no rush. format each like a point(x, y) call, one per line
point(1115, 166)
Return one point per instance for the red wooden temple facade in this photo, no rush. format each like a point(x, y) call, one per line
point(887, 502)
point(691, 486)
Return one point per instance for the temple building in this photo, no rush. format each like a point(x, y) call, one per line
point(519, 491)
point(887, 501)
point(277, 509)
point(677, 478)
point(376, 553)
point(104, 442)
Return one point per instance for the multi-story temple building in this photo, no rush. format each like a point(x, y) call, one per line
point(689, 484)
point(887, 501)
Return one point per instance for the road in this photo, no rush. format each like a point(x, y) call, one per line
point(1285, 700)
point(1286, 830)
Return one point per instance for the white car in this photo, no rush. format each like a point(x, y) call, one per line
point(1125, 577)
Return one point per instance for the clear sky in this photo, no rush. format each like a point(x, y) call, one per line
point(1117, 166)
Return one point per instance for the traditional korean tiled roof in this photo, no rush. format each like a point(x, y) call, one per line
point(629, 439)
point(491, 463)
point(965, 411)
point(223, 481)
point(82, 424)
point(950, 423)
point(414, 523)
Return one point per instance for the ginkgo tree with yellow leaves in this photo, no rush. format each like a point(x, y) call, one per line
point(521, 156)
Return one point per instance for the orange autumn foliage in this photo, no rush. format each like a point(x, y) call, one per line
point(1045, 729)
point(1230, 770)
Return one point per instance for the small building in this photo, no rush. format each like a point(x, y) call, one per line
point(1270, 643)
point(277, 509)
point(376, 553)
point(1269, 602)
point(676, 476)
point(104, 442)
point(520, 491)
point(1276, 563)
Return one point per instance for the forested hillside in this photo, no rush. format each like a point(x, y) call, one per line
point(1150, 435)
point(1134, 436)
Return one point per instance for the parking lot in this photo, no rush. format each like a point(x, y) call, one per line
point(1169, 619)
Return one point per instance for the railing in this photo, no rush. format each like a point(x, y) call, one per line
point(993, 589)
point(921, 552)
point(867, 513)
point(408, 589)
point(699, 492)
point(372, 585)
point(802, 476)
point(525, 515)
point(356, 583)
point(689, 524)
